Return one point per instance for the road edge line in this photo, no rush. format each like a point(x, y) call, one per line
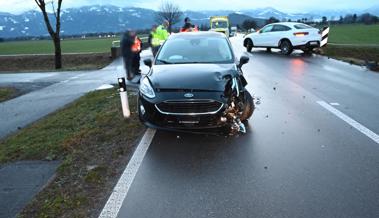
point(116, 199)
point(372, 135)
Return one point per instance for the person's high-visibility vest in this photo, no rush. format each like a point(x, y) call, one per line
point(159, 36)
point(136, 47)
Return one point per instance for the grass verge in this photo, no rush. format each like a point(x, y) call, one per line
point(353, 54)
point(354, 34)
point(7, 93)
point(29, 63)
point(94, 144)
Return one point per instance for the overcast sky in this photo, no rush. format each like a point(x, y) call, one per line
point(18, 6)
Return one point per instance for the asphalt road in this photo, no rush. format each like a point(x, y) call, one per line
point(298, 159)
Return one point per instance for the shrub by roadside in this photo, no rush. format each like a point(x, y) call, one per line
point(94, 144)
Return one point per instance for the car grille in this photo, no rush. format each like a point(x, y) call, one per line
point(189, 107)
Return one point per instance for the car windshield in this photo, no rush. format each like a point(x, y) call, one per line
point(219, 24)
point(195, 50)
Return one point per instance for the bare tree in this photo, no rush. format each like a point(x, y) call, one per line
point(54, 34)
point(170, 12)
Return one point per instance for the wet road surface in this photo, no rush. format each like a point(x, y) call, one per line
point(298, 159)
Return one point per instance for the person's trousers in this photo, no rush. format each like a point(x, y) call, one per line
point(132, 65)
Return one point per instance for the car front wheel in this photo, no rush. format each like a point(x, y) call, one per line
point(286, 47)
point(249, 107)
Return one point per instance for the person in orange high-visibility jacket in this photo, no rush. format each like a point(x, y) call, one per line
point(131, 47)
point(188, 26)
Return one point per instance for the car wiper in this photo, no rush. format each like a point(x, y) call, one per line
point(165, 62)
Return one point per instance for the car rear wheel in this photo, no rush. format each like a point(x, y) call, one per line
point(249, 45)
point(249, 107)
point(286, 47)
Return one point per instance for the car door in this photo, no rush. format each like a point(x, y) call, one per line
point(263, 36)
point(278, 32)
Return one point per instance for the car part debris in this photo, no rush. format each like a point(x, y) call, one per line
point(235, 107)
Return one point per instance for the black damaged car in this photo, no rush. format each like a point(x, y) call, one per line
point(195, 83)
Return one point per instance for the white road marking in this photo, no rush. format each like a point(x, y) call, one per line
point(114, 203)
point(335, 104)
point(74, 77)
point(350, 121)
point(65, 81)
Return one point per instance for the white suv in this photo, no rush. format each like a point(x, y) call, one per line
point(286, 36)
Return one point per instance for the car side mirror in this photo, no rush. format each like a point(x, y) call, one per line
point(243, 60)
point(148, 62)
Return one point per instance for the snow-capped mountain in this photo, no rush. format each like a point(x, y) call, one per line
point(97, 19)
point(89, 19)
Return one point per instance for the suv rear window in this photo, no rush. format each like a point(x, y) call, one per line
point(302, 26)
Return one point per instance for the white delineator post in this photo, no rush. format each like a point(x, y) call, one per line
point(124, 97)
point(324, 36)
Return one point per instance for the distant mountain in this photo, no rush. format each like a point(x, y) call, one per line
point(88, 19)
point(96, 19)
point(238, 19)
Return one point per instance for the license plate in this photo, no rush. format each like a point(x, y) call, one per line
point(314, 43)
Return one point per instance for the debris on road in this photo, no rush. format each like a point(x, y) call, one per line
point(258, 101)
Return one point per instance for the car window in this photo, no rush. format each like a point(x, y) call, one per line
point(302, 26)
point(195, 50)
point(278, 28)
point(266, 29)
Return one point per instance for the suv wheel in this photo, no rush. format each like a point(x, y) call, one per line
point(286, 47)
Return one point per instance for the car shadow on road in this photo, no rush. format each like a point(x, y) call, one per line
point(276, 53)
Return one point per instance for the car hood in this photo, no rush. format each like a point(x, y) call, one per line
point(191, 76)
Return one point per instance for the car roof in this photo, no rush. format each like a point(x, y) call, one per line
point(291, 24)
point(209, 34)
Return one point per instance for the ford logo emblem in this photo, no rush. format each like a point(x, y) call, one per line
point(188, 95)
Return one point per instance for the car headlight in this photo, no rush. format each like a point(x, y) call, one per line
point(146, 89)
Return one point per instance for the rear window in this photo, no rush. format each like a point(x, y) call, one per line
point(302, 26)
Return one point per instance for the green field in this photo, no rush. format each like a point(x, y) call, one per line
point(354, 34)
point(47, 47)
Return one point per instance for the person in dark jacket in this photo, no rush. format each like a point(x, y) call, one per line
point(131, 48)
